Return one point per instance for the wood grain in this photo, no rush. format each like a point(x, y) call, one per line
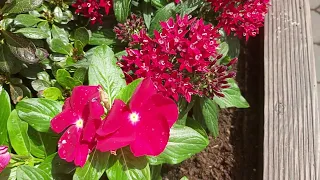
point(291, 120)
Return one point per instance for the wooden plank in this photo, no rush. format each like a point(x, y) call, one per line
point(291, 127)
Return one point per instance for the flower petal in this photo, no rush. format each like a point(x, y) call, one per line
point(152, 135)
point(81, 95)
point(68, 143)
point(118, 113)
point(143, 92)
point(164, 106)
point(63, 120)
point(4, 158)
point(93, 122)
point(81, 155)
point(121, 138)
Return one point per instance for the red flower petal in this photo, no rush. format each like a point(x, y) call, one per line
point(143, 92)
point(81, 95)
point(94, 121)
point(63, 120)
point(4, 157)
point(113, 122)
point(164, 106)
point(152, 135)
point(68, 143)
point(81, 155)
point(118, 139)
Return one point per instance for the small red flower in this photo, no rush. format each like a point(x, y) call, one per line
point(144, 124)
point(243, 18)
point(91, 9)
point(81, 117)
point(181, 59)
point(4, 157)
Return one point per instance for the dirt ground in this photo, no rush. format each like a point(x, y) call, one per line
point(237, 152)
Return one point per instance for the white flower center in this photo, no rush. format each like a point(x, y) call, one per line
point(79, 124)
point(134, 117)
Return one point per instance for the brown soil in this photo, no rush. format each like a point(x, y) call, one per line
point(237, 152)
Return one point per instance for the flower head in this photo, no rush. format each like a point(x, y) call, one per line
point(91, 9)
point(132, 26)
point(80, 118)
point(144, 124)
point(178, 58)
point(4, 157)
point(243, 18)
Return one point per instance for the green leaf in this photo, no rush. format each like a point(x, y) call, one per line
point(16, 93)
point(52, 93)
point(223, 49)
point(38, 112)
point(64, 78)
point(155, 172)
point(188, 6)
point(27, 173)
point(103, 70)
point(158, 3)
point(8, 62)
point(58, 14)
point(18, 135)
point(184, 178)
point(126, 166)
point(27, 20)
point(80, 74)
point(44, 26)
point(162, 14)
point(22, 48)
point(40, 85)
point(183, 143)
point(58, 46)
point(147, 13)
point(42, 144)
point(81, 37)
point(121, 9)
point(4, 114)
point(94, 167)
point(232, 97)
point(21, 6)
point(103, 37)
point(9, 173)
point(234, 46)
point(57, 168)
point(33, 33)
point(60, 33)
point(207, 111)
point(126, 93)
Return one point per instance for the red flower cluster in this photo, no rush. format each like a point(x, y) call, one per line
point(91, 9)
point(144, 124)
point(133, 26)
point(242, 17)
point(181, 60)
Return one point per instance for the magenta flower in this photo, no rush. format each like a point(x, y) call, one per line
point(144, 124)
point(81, 117)
point(4, 157)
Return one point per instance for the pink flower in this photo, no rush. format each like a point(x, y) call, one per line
point(81, 117)
point(144, 124)
point(4, 157)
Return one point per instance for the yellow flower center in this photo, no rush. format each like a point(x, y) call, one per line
point(134, 117)
point(79, 123)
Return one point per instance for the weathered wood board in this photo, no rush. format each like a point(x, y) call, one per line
point(291, 119)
